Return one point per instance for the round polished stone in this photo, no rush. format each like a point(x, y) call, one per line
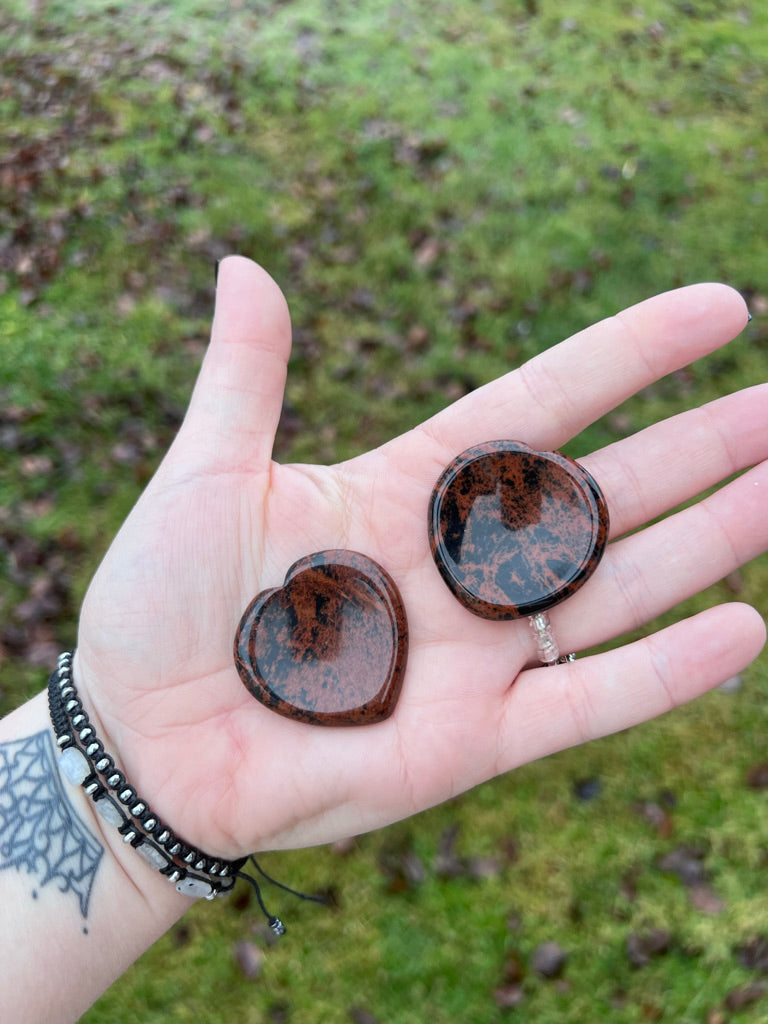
point(330, 646)
point(514, 531)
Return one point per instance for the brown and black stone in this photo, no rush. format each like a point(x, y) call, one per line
point(514, 531)
point(330, 646)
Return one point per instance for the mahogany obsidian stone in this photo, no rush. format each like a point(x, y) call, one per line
point(330, 646)
point(514, 531)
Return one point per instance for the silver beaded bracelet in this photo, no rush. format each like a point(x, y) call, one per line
point(84, 762)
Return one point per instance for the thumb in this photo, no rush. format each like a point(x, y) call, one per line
point(236, 404)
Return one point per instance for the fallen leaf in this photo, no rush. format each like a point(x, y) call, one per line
point(629, 883)
point(240, 900)
point(360, 1016)
point(705, 899)
point(687, 862)
point(507, 997)
point(182, 934)
point(757, 776)
point(250, 959)
point(643, 947)
point(279, 1013)
point(401, 866)
point(745, 996)
point(549, 960)
point(42, 648)
point(427, 252)
point(754, 954)
point(417, 338)
point(44, 602)
point(514, 922)
point(36, 465)
point(126, 453)
point(652, 1012)
point(656, 816)
point(510, 849)
point(448, 864)
point(481, 868)
point(514, 968)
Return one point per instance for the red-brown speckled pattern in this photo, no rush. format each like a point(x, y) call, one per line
point(330, 646)
point(514, 531)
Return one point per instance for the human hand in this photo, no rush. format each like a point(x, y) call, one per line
point(220, 522)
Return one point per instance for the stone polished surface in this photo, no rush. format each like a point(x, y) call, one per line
point(514, 531)
point(330, 646)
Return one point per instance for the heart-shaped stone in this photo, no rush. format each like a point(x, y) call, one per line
point(514, 531)
point(330, 646)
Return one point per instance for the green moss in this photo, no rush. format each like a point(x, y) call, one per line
point(442, 189)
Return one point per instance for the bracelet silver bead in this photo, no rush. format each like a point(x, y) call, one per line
point(84, 762)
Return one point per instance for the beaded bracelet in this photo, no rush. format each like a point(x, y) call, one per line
point(84, 762)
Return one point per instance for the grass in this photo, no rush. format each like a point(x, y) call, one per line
point(442, 189)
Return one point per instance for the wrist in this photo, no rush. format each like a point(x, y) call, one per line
point(127, 821)
point(130, 826)
point(71, 893)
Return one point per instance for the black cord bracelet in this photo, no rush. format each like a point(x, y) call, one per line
point(84, 762)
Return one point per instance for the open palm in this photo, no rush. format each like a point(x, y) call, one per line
point(220, 522)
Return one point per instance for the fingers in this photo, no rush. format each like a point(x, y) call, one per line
point(650, 572)
point(558, 393)
point(550, 709)
point(231, 422)
point(664, 465)
point(652, 472)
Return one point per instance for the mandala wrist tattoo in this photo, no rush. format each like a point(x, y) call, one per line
point(40, 833)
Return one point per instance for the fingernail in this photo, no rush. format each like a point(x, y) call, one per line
point(749, 317)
